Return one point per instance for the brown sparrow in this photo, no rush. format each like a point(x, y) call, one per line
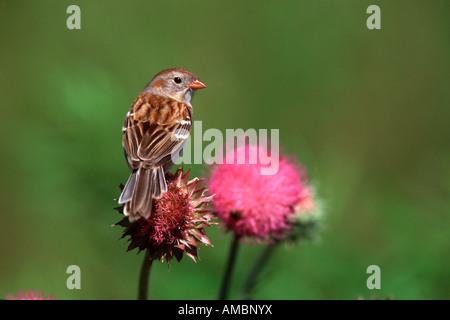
point(154, 133)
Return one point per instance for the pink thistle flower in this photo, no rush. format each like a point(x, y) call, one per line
point(254, 205)
point(30, 295)
point(177, 221)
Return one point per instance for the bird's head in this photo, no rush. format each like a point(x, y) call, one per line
point(178, 84)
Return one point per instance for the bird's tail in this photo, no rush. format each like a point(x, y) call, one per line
point(142, 187)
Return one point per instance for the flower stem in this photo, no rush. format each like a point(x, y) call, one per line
point(223, 294)
point(253, 275)
point(144, 276)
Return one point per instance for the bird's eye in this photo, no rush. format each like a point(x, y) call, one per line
point(177, 80)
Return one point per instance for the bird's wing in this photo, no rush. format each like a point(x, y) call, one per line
point(155, 130)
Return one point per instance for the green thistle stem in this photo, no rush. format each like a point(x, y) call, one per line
point(226, 280)
point(144, 276)
point(253, 275)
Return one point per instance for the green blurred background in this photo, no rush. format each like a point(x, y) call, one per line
point(367, 112)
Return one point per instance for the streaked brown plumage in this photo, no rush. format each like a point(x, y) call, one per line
point(154, 133)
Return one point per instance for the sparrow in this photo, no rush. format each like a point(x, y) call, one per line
point(154, 133)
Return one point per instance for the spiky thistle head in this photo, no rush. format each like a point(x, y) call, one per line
point(177, 222)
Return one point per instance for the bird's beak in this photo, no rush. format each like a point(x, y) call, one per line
point(197, 84)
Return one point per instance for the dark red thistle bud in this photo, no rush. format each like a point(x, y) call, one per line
point(176, 223)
